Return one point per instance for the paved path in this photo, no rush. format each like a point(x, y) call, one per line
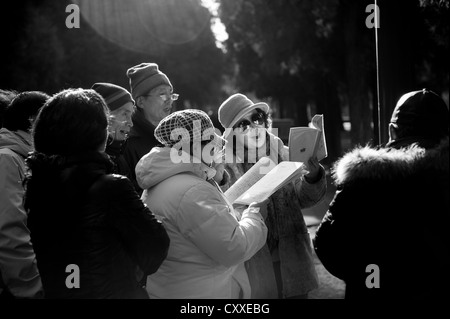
point(330, 286)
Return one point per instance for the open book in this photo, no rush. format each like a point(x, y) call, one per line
point(306, 142)
point(262, 180)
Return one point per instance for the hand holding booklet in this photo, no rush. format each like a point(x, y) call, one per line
point(262, 180)
point(307, 142)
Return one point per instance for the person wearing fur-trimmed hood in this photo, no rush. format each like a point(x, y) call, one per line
point(385, 233)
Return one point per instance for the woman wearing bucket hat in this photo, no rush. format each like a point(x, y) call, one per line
point(284, 267)
point(209, 243)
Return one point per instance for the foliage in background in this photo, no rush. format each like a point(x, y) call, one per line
point(303, 56)
point(40, 53)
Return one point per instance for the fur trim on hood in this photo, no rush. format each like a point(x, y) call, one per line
point(389, 163)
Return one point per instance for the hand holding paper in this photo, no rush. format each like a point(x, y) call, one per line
point(256, 187)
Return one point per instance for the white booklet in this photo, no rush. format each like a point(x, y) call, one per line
point(306, 142)
point(262, 180)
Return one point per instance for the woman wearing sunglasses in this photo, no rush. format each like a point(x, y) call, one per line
point(284, 267)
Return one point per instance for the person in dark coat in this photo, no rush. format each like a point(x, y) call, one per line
point(153, 93)
point(121, 108)
point(91, 232)
point(385, 233)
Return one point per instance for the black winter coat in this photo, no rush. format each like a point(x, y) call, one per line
point(391, 209)
point(114, 149)
point(139, 143)
point(81, 215)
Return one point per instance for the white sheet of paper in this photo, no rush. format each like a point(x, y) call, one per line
point(270, 183)
point(253, 175)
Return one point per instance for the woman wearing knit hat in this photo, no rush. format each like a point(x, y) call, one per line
point(209, 242)
point(284, 267)
point(153, 93)
point(121, 108)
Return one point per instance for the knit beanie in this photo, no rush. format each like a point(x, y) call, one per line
point(144, 77)
point(114, 95)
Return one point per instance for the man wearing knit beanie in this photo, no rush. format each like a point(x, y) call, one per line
point(153, 93)
point(121, 107)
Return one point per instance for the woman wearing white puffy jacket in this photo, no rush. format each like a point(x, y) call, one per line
point(209, 240)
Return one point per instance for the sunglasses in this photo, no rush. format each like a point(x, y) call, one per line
point(259, 118)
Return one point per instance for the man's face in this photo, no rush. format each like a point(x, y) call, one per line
point(157, 104)
point(120, 122)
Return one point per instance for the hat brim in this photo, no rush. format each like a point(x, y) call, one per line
point(260, 105)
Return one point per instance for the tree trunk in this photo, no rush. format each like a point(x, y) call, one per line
point(359, 105)
point(396, 65)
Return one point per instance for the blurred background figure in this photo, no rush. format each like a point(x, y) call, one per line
point(386, 231)
point(19, 276)
point(284, 268)
point(79, 213)
point(153, 93)
point(121, 109)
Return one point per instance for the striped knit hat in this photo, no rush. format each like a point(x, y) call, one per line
point(114, 95)
point(144, 77)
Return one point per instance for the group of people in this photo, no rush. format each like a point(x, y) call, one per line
point(92, 178)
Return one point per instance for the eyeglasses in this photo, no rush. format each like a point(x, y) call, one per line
point(259, 118)
point(166, 97)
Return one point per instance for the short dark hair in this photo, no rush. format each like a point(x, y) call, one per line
point(24, 107)
point(72, 121)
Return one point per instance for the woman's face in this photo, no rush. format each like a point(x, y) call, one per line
point(120, 122)
point(250, 130)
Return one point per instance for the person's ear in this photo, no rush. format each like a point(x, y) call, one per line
point(392, 132)
point(139, 102)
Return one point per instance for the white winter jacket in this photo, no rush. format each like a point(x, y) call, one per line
point(208, 242)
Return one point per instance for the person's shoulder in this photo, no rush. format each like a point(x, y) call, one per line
point(113, 184)
point(187, 181)
point(6, 152)
point(365, 162)
point(8, 156)
point(437, 158)
point(188, 186)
